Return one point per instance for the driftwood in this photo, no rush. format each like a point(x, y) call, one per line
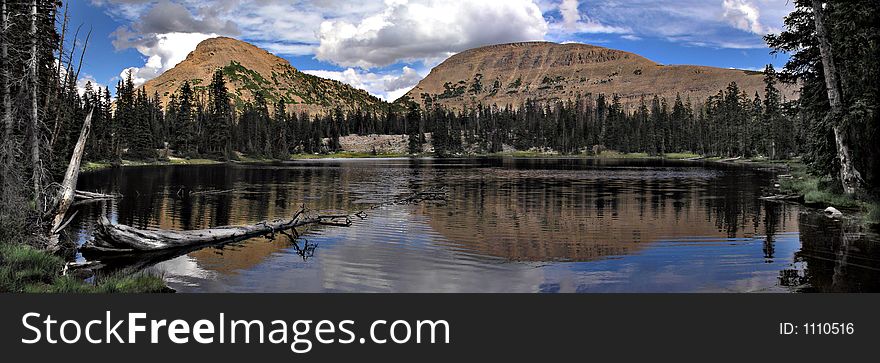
point(430, 195)
point(183, 193)
point(80, 195)
point(784, 197)
point(121, 239)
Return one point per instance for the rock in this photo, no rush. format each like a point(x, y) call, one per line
point(833, 212)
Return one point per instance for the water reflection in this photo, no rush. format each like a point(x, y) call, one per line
point(509, 225)
point(837, 256)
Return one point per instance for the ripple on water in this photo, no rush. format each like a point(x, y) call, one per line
point(509, 225)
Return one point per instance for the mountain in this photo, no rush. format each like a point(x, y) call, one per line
point(249, 69)
point(511, 73)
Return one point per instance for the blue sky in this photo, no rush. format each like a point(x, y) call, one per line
point(386, 47)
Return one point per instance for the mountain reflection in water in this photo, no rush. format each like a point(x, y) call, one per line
point(508, 225)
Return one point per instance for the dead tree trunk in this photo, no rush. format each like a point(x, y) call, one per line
point(7, 98)
point(850, 178)
point(68, 192)
point(35, 122)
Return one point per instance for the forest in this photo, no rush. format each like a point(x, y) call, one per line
point(728, 124)
point(832, 45)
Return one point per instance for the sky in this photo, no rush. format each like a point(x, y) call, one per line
point(386, 46)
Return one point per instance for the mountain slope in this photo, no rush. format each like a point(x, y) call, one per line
point(511, 73)
point(249, 69)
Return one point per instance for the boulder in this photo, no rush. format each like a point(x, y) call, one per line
point(833, 212)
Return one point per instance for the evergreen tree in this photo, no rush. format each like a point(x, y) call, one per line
point(413, 126)
point(219, 124)
point(185, 122)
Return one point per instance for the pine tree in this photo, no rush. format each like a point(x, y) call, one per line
point(219, 124)
point(185, 122)
point(413, 126)
point(280, 132)
point(773, 118)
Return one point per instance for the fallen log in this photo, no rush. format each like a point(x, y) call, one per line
point(122, 239)
point(430, 195)
point(88, 196)
point(784, 197)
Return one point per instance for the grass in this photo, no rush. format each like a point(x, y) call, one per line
point(816, 190)
point(247, 159)
point(607, 154)
point(873, 215)
point(94, 166)
point(525, 154)
point(610, 154)
point(101, 165)
point(346, 155)
point(27, 269)
point(680, 156)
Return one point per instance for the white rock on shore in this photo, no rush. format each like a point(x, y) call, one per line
point(833, 212)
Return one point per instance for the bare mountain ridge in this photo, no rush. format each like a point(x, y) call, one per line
point(509, 74)
point(249, 69)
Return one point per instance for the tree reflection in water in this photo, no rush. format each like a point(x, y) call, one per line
point(508, 225)
point(836, 256)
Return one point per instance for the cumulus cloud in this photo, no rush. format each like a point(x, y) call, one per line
point(428, 29)
point(575, 21)
point(163, 52)
point(734, 24)
point(744, 15)
point(167, 17)
point(366, 35)
point(386, 86)
point(85, 80)
point(165, 33)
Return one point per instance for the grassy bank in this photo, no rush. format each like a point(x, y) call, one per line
point(608, 154)
point(346, 155)
point(819, 192)
point(26, 269)
point(100, 165)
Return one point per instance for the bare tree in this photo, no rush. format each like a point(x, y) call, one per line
point(7, 98)
point(850, 177)
point(67, 193)
point(35, 121)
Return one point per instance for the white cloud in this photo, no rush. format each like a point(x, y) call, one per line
point(744, 15)
point(427, 29)
point(288, 49)
point(163, 53)
point(736, 24)
point(386, 86)
point(86, 79)
point(575, 21)
point(370, 34)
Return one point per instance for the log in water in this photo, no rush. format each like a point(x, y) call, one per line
point(122, 239)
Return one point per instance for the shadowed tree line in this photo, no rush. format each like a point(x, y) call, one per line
point(196, 123)
point(730, 123)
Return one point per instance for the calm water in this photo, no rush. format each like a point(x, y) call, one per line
point(509, 225)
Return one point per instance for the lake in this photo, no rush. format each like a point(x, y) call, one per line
point(508, 225)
